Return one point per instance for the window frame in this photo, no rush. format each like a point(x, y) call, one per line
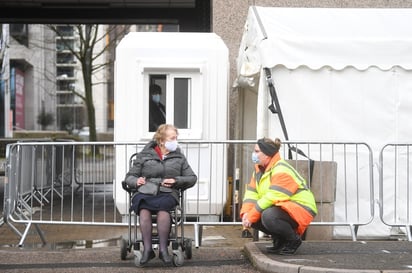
point(195, 109)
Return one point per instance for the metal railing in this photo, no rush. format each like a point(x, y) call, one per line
point(79, 183)
point(341, 180)
point(395, 195)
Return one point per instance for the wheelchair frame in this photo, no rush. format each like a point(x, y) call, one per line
point(181, 246)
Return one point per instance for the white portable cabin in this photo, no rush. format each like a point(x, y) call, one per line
point(339, 74)
point(192, 70)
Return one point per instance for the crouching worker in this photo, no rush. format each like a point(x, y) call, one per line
point(158, 173)
point(277, 200)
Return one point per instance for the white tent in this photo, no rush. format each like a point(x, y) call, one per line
point(340, 74)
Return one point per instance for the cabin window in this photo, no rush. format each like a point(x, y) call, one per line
point(179, 100)
point(157, 101)
point(181, 103)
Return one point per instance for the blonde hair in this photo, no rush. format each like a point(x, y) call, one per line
point(278, 143)
point(160, 133)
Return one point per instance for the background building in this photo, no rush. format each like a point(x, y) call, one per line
point(29, 78)
point(70, 112)
point(225, 18)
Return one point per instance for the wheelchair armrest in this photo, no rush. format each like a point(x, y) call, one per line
point(126, 187)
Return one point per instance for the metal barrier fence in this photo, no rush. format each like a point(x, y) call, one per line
point(80, 183)
point(395, 195)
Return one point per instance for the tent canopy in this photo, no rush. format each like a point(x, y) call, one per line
point(341, 75)
point(318, 37)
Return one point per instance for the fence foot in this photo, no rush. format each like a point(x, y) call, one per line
point(354, 231)
point(24, 235)
point(408, 232)
point(198, 229)
point(14, 229)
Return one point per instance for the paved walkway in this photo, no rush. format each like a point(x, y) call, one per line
point(219, 244)
point(336, 256)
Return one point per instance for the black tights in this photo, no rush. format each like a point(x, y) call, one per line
point(163, 228)
point(277, 222)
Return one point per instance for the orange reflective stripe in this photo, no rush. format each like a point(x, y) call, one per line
point(292, 172)
point(285, 181)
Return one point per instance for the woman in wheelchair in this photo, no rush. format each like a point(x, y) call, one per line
point(159, 171)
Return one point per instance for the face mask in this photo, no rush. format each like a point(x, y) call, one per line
point(156, 98)
point(255, 158)
point(171, 146)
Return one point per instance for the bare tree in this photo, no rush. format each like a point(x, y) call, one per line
point(94, 41)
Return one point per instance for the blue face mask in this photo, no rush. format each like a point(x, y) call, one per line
point(156, 98)
point(171, 146)
point(255, 158)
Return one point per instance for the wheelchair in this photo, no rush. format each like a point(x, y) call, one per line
point(181, 246)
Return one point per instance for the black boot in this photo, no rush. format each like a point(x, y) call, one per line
point(246, 234)
point(277, 246)
point(165, 257)
point(147, 256)
point(291, 246)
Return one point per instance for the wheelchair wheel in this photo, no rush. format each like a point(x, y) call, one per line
point(178, 258)
point(188, 248)
point(123, 249)
point(137, 258)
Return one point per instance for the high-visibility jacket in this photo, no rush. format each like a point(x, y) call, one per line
point(279, 185)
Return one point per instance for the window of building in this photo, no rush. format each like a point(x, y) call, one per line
point(180, 102)
point(65, 58)
point(20, 33)
point(65, 44)
point(65, 30)
point(65, 72)
point(157, 101)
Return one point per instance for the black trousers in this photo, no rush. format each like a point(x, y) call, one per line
point(277, 223)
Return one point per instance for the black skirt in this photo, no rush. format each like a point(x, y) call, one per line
point(163, 201)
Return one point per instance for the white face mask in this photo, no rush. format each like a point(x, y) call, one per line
point(255, 158)
point(171, 146)
point(156, 98)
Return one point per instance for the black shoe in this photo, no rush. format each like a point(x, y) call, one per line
point(147, 256)
point(246, 234)
point(291, 246)
point(276, 247)
point(165, 257)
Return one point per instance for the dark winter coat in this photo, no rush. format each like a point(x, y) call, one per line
point(174, 165)
point(156, 115)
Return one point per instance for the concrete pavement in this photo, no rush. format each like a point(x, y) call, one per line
point(85, 249)
point(335, 256)
point(222, 250)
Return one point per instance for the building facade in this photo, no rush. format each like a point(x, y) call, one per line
point(225, 18)
point(28, 78)
point(42, 79)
